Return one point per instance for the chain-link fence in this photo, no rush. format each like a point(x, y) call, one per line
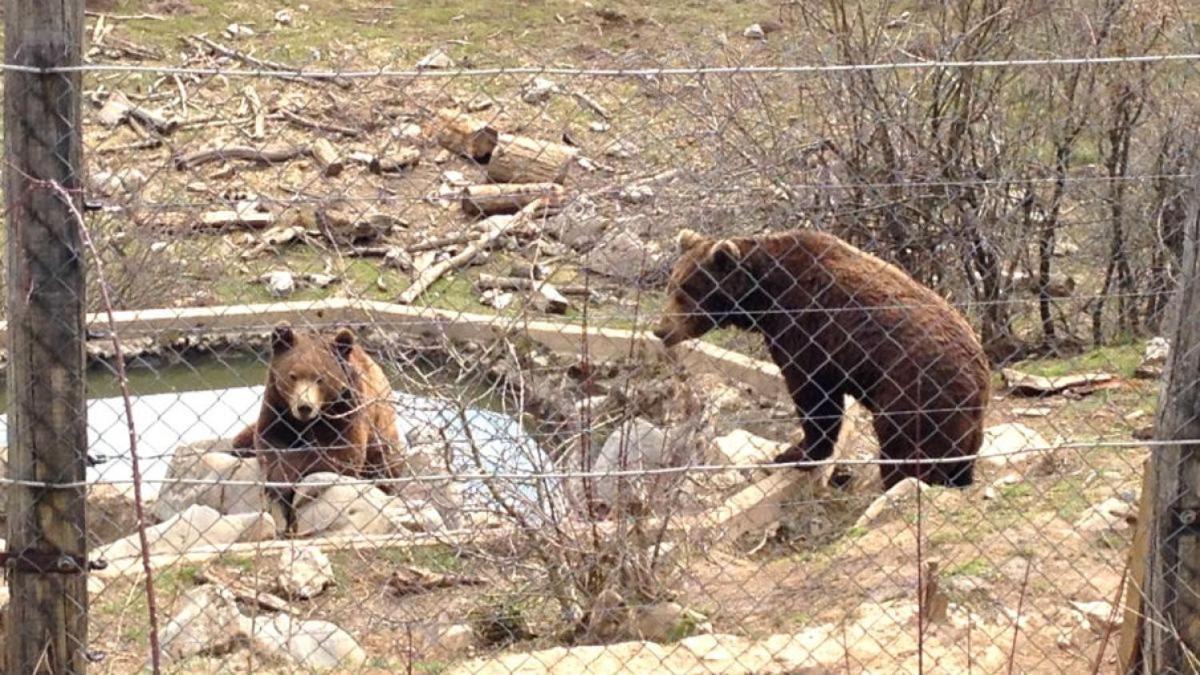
point(425, 339)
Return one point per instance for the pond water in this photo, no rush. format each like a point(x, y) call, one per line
point(216, 396)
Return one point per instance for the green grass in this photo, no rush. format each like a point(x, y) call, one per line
point(976, 567)
point(1120, 360)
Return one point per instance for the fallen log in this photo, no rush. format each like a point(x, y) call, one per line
point(263, 156)
point(328, 160)
point(466, 135)
point(250, 218)
point(520, 159)
point(487, 200)
point(495, 227)
point(262, 64)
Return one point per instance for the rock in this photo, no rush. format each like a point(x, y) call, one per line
point(344, 506)
point(636, 194)
point(444, 639)
point(279, 282)
point(435, 60)
point(313, 645)
point(283, 17)
point(1011, 443)
point(208, 621)
point(621, 149)
point(754, 32)
point(623, 256)
point(1111, 515)
point(642, 446)
point(216, 470)
point(665, 621)
point(121, 181)
point(239, 31)
point(1099, 615)
point(890, 502)
point(413, 516)
point(197, 526)
point(742, 448)
point(111, 512)
point(1154, 359)
point(538, 90)
point(304, 572)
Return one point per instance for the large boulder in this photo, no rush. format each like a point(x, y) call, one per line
point(208, 621)
point(206, 474)
point(198, 526)
point(304, 572)
point(328, 503)
point(312, 645)
point(1010, 444)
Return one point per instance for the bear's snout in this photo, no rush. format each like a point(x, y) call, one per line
point(305, 411)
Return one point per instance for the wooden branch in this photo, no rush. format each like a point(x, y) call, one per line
point(590, 103)
point(497, 227)
point(519, 159)
point(545, 295)
point(405, 158)
point(487, 200)
point(307, 122)
point(245, 592)
point(263, 64)
point(466, 135)
point(264, 156)
point(327, 158)
point(250, 218)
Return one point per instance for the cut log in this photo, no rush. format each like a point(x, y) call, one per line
point(327, 158)
point(466, 135)
point(495, 227)
point(404, 159)
point(519, 159)
point(264, 156)
point(487, 200)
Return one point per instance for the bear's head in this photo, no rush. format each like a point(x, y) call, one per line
point(311, 374)
point(710, 287)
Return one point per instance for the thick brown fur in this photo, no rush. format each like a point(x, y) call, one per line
point(327, 407)
point(840, 321)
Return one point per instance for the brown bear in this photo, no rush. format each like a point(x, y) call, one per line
point(839, 321)
point(327, 407)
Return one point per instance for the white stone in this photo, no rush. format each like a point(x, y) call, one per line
point(222, 479)
point(279, 282)
point(1011, 443)
point(313, 645)
point(413, 516)
point(538, 90)
point(640, 444)
point(208, 621)
point(754, 32)
point(283, 17)
point(742, 448)
point(435, 60)
point(197, 526)
point(1111, 515)
point(304, 572)
point(238, 31)
point(344, 506)
point(1100, 615)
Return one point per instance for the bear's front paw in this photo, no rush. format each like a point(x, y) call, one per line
point(795, 453)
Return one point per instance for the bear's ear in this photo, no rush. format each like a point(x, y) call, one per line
point(725, 255)
point(689, 239)
point(343, 342)
point(283, 338)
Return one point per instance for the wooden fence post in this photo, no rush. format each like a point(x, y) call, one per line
point(46, 622)
point(1168, 630)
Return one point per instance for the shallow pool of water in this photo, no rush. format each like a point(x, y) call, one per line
point(215, 397)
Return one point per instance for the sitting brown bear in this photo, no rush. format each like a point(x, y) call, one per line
point(327, 407)
point(840, 321)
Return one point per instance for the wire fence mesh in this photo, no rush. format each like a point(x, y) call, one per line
point(657, 356)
